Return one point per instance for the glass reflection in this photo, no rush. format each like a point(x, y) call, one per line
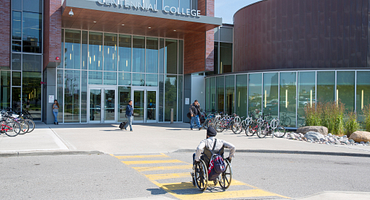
point(32, 34)
point(220, 82)
point(171, 57)
point(110, 52)
point(95, 51)
point(213, 94)
point(346, 89)
point(124, 79)
point(110, 78)
point(230, 90)
point(152, 55)
point(288, 99)
point(255, 94)
point(325, 86)
point(72, 49)
point(31, 93)
point(170, 97)
point(362, 93)
point(241, 95)
point(124, 96)
point(124, 59)
point(17, 26)
point(138, 62)
point(4, 89)
point(306, 94)
point(270, 94)
point(72, 96)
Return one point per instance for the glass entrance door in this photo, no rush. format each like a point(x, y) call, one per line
point(145, 105)
point(102, 105)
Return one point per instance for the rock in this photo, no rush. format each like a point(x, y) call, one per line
point(350, 141)
point(360, 136)
point(320, 129)
point(314, 136)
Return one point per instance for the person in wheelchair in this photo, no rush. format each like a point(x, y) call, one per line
point(202, 157)
point(205, 146)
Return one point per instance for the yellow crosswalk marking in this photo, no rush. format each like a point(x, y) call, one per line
point(145, 169)
point(167, 176)
point(150, 162)
point(142, 156)
point(228, 195)
point(177, 186)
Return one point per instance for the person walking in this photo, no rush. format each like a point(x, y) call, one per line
point(55, 111)
point(129, 115)
point(195, 113)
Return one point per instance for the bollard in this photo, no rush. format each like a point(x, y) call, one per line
point(171, 115)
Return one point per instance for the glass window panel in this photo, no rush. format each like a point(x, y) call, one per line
point(138, 103)
point(16, 79)
point(152, 55)
point(32, 63)
point(32, 5)
point(32, 34)
point(16, 4)
point(213, 94)
point(16, 46)
point(241, 95)
point(31, 93)
point(60, 80)
point(151, 2)
point(170, 97)
point(161, 56)
point(151, 101)
point(194, 4)
point(124, 96)
point(255, 94)
point(16, 62)
point(161, 95)
point(270, 94)
point(288, 99)
point(230, 94)
point(151, 80)
point(72, 49)
point(226, 57)
point(362, 93)
point(346, 89)
point(95, 105)
point(17, 25)
point(208, 95)
point(72, 96)
point(109, 104)
point(171, 3)
point(61, 65)
point(95, 78)
point(215, 60)
point(181, 57)
point(4, 89)
point(138, 79)
point(110, 52)
point(171, 57)
point(325, 86)
point(95, 51)
point(16, 99)
point(124, 78)
point(84, 96)
point(184, 4)
point(180, 99)
point(110, 78)
point(138, 57)
point(124, 53)
point(306, 94)
point(84, 50)
point(220, 93)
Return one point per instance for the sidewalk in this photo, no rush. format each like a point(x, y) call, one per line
point(151, 138)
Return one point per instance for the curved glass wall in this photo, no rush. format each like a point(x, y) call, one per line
point(286, 94)
point(122, 63)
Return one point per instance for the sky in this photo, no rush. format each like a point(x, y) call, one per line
point(227, 8)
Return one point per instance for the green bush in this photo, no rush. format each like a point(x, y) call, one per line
point(351, 124)
point(367, 117)
point(313, 115)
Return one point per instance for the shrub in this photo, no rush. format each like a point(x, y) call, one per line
point(313, 115)
point(367, 117)
point(351, 124)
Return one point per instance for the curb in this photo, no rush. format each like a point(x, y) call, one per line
point(288, 152)
point(49, 153)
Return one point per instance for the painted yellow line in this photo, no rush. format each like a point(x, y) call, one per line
point(150, 162)
point(227, 194)
point(145, 169)
point(168, 176)
point(177, 186)
point(142, 156)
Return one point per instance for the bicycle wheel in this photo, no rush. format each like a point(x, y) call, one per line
point(279, 132)
point(249, 131)
point(15, 129)
point(32, 125)
point(236, 128)
point(24, 127)
point(262, 131)
point(219, 126)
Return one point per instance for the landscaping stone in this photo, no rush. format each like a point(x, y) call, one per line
point(315, 136)
point(360, 136)
point(320, 129)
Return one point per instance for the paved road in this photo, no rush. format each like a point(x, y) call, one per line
point(102, 176)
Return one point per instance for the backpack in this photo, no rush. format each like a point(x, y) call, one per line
point(216, 165)
point(122, 125)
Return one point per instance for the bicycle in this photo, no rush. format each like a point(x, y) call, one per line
point(10, 128)
point(273, 128)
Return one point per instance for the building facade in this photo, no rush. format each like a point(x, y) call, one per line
point(289, 54)
point(93, 56)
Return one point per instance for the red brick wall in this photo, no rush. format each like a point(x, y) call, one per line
point(52, 32)
point(5, 34)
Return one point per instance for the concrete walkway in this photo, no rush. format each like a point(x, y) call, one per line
point(151, 138)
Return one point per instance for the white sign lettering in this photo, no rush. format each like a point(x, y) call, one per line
point(149, 7)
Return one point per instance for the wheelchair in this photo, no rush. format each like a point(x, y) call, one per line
point(200, 172)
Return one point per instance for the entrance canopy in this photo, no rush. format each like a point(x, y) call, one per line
point(135, 19)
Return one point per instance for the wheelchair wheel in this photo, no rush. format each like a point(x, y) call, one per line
point(226, 176)
point(200, 175)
